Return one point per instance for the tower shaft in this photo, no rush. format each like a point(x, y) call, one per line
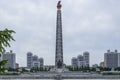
point(59, 42)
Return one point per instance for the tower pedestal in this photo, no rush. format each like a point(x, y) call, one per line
point(59, 70)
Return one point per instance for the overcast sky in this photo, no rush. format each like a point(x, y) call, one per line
point(88, 25)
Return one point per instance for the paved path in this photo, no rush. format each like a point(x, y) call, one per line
point(51, 75)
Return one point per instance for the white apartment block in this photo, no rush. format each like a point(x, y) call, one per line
point(81, 60)
point(112, 59)
point(10, 56)
point(34, 61)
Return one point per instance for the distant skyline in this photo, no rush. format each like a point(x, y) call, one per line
point(88, 25)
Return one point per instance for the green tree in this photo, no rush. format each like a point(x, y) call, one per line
point(5, 38)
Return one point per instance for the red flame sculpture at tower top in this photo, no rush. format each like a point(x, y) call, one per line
point(59, 5)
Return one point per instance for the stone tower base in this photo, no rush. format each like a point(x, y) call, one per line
point(59, 70)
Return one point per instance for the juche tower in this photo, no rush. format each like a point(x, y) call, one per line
point(59, 64)
point(59, 41)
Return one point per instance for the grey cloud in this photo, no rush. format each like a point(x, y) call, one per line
point(88, 25)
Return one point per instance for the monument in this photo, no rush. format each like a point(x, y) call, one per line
point(59, 43)
point(59, 65)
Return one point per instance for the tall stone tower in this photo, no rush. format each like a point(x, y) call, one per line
point(59, 42)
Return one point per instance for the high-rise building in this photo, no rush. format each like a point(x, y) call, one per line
point(29, 59)
point(34, 61)
point(36, 64)
point(41, 62)
point(35, 58)
point(81, 60)
point(74, 62)
point(59, 42)
point(111, 59)
point(10, 56)
point(86, 58)
point(118, 59)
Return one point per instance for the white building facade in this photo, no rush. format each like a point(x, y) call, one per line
point(86, 58)
point(10, 56)
point(112, 59)
point(33, 61)
point(41, 62)
point(81, 60)
point(74, 62)
point(118, 59)
point(29, 59)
